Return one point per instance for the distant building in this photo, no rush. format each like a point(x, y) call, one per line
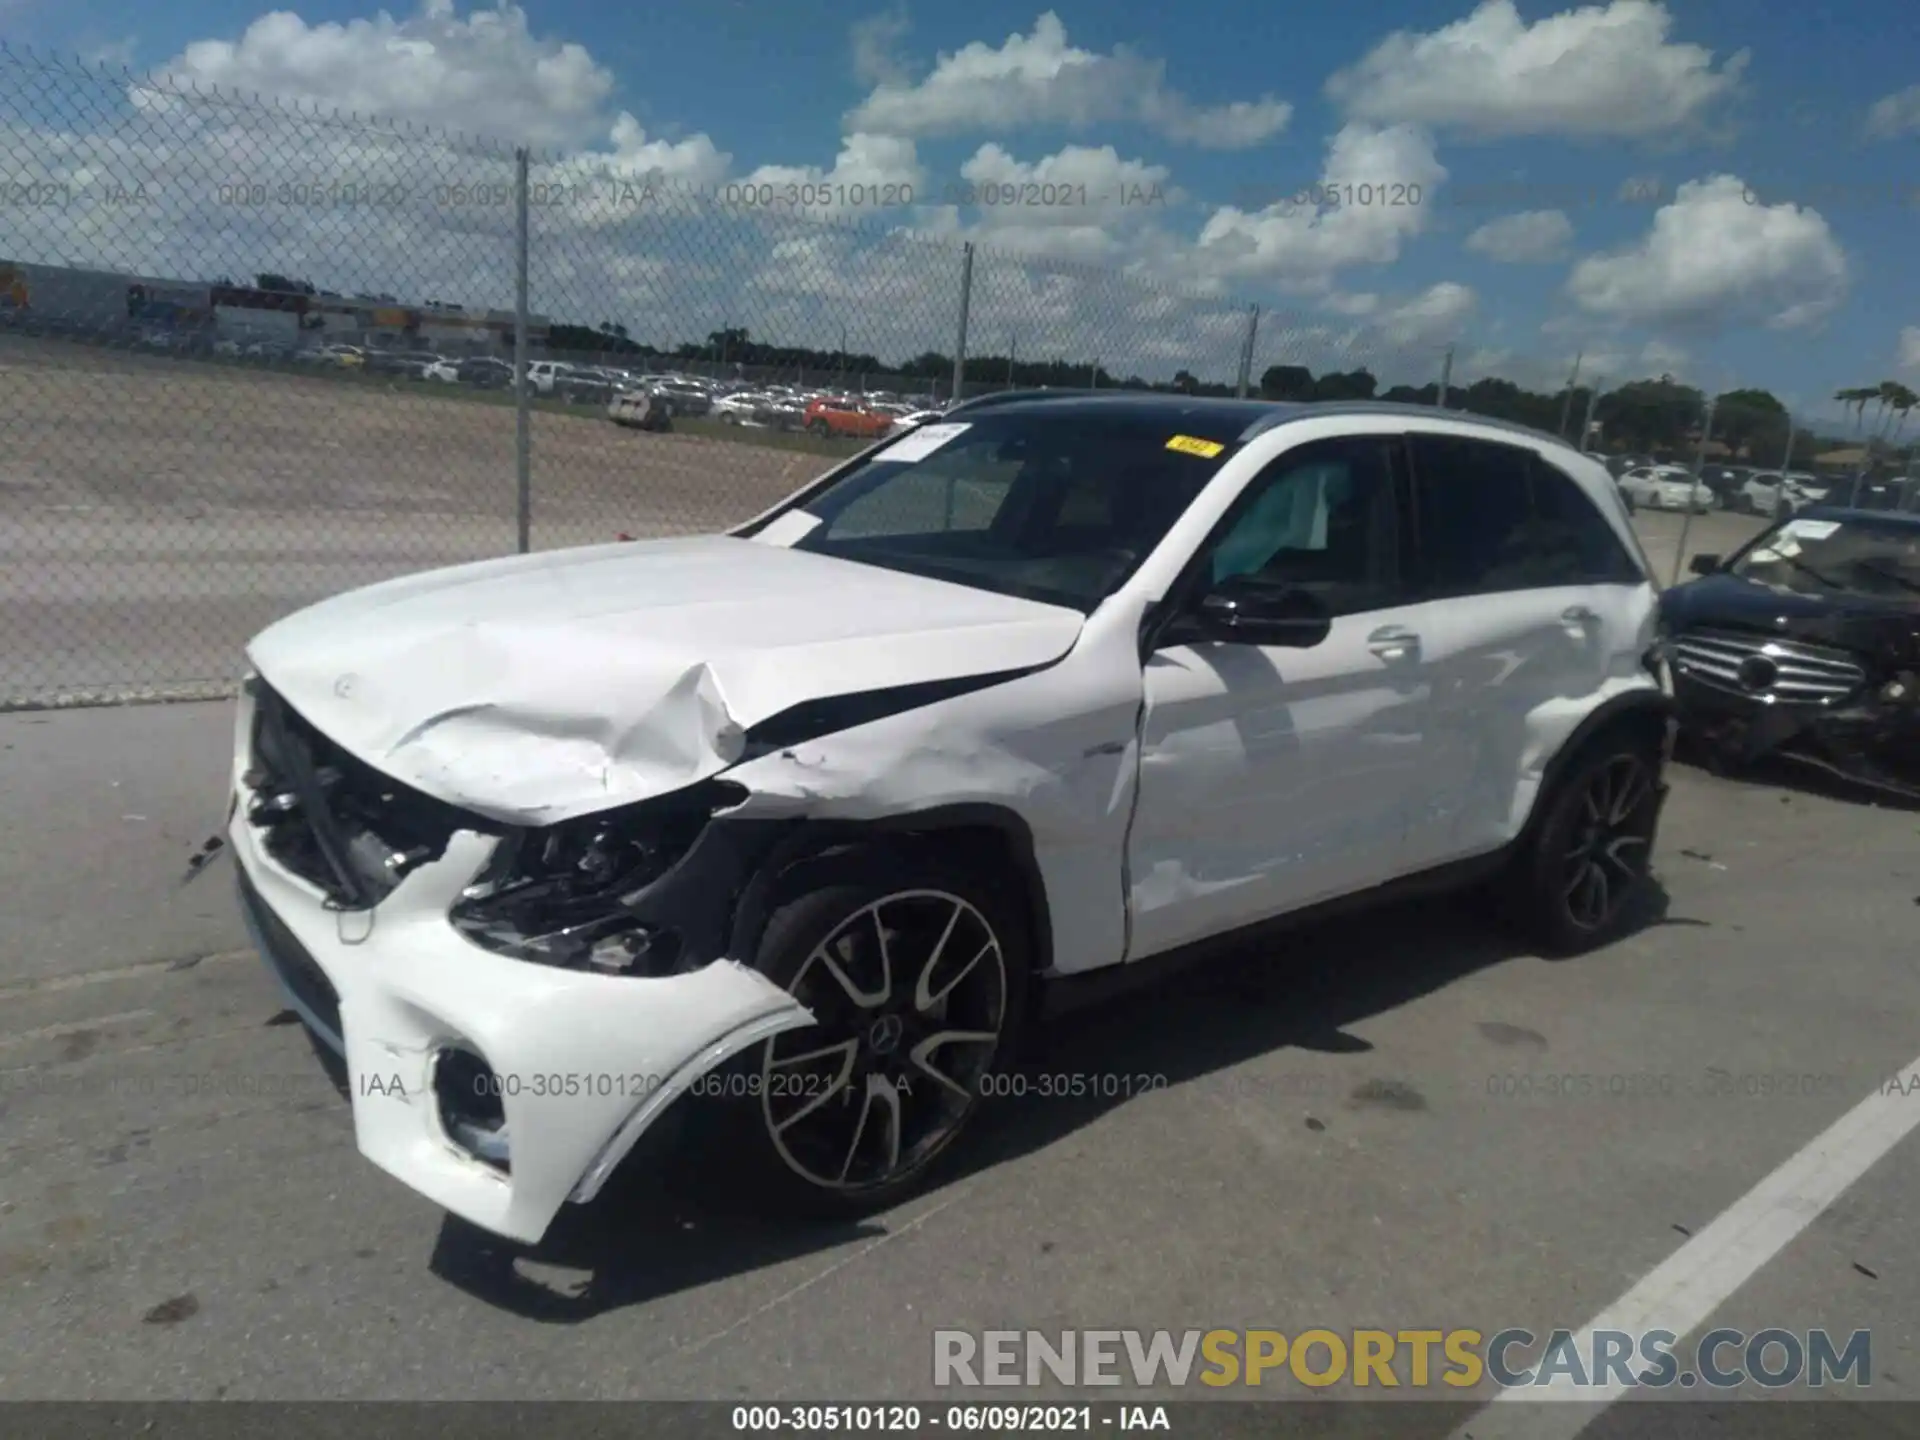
point(64, 298)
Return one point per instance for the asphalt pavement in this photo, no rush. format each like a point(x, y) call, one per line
point(1398, 1121)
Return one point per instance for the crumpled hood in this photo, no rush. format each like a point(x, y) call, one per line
point(538, 687)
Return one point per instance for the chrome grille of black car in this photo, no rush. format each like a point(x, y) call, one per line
point(1766, 668)
point(332, 819)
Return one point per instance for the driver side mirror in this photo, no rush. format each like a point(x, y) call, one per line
point(1249, 613)
point(1704, 564)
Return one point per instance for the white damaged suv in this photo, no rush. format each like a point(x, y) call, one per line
point(814, 815)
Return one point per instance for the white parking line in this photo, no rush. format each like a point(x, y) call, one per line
point(1704, 1273)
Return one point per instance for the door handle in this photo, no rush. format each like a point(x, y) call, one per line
point(1579, 615)
point(1393, 641)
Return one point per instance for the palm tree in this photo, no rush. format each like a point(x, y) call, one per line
point(1902, 401)
point(1856, 398)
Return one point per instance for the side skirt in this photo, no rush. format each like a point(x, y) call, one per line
point(1066, 994)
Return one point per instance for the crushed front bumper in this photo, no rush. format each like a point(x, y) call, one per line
point(576, 1065)
point(1869, 741)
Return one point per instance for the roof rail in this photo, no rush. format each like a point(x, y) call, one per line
point(1285, 412)
point(1009, 397)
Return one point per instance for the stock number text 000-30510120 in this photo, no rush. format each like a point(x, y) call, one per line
point(950, 1419)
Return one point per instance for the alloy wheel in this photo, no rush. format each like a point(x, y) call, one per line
point(1612, 843)
point(910, 998)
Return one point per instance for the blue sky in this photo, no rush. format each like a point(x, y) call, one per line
point(1564, 108)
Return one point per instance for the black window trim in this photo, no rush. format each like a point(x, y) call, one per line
point(1187, 586)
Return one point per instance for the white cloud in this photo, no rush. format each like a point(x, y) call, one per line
point(1713, 261)
point(871, 172)
point(1304, 245)
point(1437, 315)
point(1895, 114)
point(1082, 204)
point(695, 161)
point(876, 56)
point(1596, 71)
point(1040, 79)
point(487, 74)
point(1908, 357)
point(1531, 237)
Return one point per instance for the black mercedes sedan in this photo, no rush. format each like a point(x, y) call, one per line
point(1805, 643)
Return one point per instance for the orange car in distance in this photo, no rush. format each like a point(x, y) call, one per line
point(847, 418)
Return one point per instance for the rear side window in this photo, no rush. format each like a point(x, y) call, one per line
point(1576, 531)
point(1497, 518)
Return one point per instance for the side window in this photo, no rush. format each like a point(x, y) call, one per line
point(1576, 534)
point(1475, 511)
point(1325, 519)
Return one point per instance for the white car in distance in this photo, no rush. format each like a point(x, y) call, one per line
point(795, 828)
point(1666, 487)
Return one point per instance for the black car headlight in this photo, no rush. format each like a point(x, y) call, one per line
point(567, 894)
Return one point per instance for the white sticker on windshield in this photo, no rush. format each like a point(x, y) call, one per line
point(788, 529)
point(1810, 529)
point(922, 442)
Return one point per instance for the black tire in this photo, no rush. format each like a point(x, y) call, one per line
point(789, 1120)
point(820, 428)
point(1582, 867)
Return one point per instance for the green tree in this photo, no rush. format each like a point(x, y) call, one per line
point(1286, 382)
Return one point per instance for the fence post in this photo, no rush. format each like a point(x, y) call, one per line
point(1246, 352)
point(522, 408)
point(960, 341)
point(1586, 424)
point(1446, 375)
point(1693, 494)
point(1566, 405)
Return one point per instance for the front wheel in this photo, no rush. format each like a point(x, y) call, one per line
point(820, 428)
point(1578, 873)
point(916, 975)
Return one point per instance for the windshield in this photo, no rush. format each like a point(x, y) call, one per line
point(1058, 507)
point(1878, 559)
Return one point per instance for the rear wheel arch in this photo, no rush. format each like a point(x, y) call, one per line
point(1645, 715)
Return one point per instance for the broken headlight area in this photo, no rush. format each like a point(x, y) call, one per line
point(572, 894)
point(331, 818)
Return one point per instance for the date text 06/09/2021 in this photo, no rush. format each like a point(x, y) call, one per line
point(908, 1419)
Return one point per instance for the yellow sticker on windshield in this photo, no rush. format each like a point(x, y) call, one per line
point(1191, 445)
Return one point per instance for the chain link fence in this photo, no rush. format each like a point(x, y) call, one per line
point(255, 355)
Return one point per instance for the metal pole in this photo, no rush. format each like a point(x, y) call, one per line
point(1246, 352)
point(1093, 375)
point(1446, 374)
point(1013, 342)
point(1693, 492)
point(1586, 425)
point(522, 406)
point(1566, 403)
point(960, 341)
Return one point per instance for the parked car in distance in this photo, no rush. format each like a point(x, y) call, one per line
point(640, 409)
point(846, 418)
point(410, 363)
point(1666, 487)
point(1768, 492)
point(486, 372)
point(528, 843)
point(444, 370)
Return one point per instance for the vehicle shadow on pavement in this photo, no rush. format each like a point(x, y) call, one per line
point(1792, 777)
point(653, 1233)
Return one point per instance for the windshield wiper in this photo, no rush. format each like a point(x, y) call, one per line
point(1886, 574)
point(1796, 563)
